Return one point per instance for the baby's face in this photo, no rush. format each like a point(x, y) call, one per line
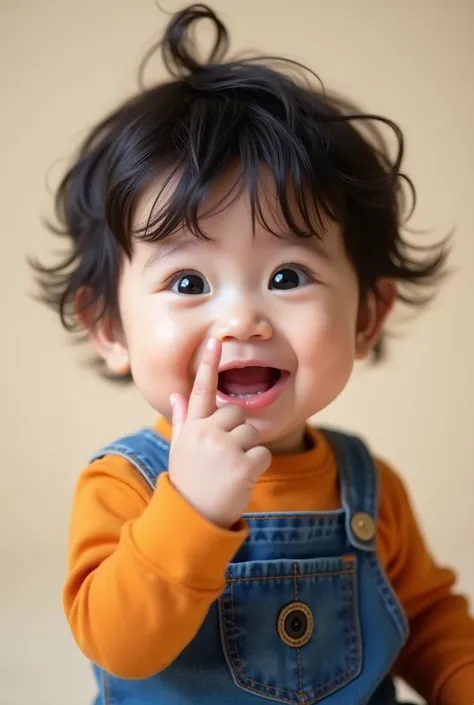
point(285, 309)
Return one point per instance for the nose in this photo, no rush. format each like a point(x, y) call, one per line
point(242, 323)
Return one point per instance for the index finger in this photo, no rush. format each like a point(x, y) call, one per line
point(202, 402)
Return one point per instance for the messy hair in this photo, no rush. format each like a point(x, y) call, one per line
point(327, 159)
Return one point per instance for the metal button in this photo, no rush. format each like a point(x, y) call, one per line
point(295, 624)
point(363, 526)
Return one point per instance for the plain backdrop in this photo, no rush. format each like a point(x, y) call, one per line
point(63, 64)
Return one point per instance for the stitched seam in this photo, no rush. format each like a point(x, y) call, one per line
point(240, 666)
point(342, 678)
point(272, 687)
point(325, 688)
point(348, 571)
point(312, 515)
point(123, 450)
point(137, 463)
point(237, 656)
point(272, 695)
point(230, 651)
point(232, 611)
point(356, 622)
point(151, 476)
point(298, 655)
point(388, 594)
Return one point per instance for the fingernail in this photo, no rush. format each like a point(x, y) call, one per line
point(172, 402)
point(211, 344)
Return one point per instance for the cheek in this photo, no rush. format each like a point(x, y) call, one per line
point(333, 325)
point(161, 357)
point(327, 346)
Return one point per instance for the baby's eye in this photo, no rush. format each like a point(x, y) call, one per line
point(289, 277)
point(190, 283)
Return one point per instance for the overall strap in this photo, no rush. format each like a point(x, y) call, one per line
point(359, 491)
point(146, 450)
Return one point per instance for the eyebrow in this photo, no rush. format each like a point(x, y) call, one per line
point(315, 243)
point(173, 247)
point(166, 249)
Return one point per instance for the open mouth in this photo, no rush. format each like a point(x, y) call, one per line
point(253, 386)
point(247, 381)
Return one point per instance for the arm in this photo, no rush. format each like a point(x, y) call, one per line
point(143, 574)
point(143, 570)
point(438, 659)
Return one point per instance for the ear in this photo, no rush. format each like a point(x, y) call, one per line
point(106, 335)
point(373, 312)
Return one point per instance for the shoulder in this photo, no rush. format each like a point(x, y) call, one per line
point(111, 474)
point(390, 484)
point(389, 477)
point(393, 494)
point(134, 460)
point(395, 513)
point(397, 522)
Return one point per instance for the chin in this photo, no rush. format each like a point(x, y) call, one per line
point(271, 431)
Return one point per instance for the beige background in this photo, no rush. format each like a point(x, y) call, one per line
point(63, 63)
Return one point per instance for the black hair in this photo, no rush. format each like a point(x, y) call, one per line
point(326, 157)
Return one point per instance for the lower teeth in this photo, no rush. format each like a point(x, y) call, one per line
point(245, 396)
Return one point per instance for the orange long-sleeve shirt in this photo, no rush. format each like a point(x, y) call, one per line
point(144, 565)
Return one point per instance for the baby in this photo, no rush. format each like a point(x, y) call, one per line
point(235, 246)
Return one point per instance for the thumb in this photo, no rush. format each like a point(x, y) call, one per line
point(179, 407)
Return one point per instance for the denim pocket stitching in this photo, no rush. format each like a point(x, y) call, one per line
point(298, 654)
point(347, 571)
point(322, 690)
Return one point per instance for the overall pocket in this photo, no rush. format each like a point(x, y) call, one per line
point(290, 628)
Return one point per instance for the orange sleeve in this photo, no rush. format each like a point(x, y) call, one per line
point(438, 659)
point(143, 569)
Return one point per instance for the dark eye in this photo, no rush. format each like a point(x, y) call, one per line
point(289, 278)
point(190, 284)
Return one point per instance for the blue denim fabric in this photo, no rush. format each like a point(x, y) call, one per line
point(297, 572)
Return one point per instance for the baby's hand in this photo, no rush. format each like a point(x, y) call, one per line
point(215, 458)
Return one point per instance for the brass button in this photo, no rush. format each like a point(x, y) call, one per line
point(363, 526)
point(295, 624)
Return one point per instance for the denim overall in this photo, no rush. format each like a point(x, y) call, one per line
point(307, 614)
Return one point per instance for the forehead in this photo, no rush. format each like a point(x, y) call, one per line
point(228, 213)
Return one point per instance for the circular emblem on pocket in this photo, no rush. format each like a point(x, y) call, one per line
point(295, 624)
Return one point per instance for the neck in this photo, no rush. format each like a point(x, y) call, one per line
point(294, 442)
